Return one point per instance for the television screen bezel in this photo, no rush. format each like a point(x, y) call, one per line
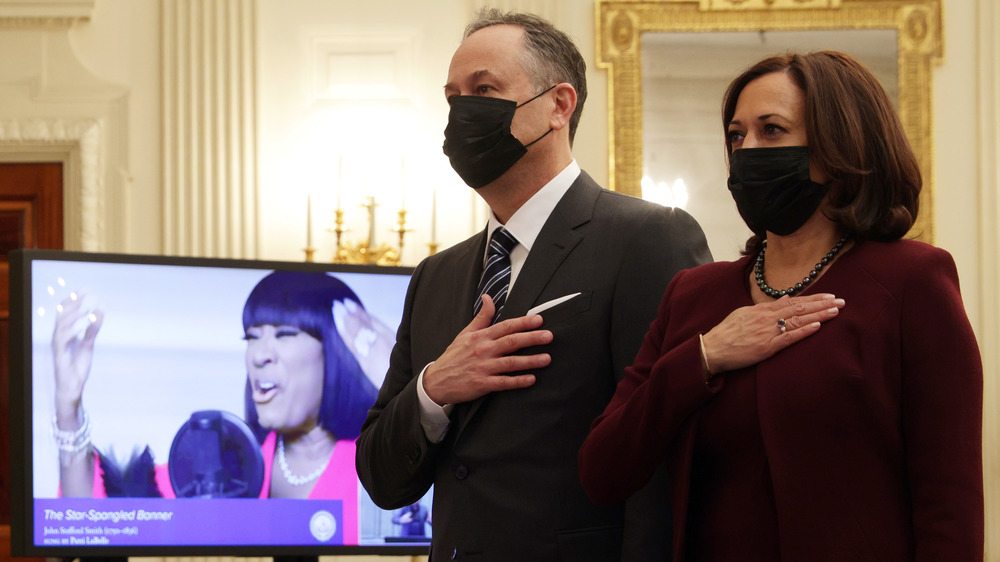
point(21, 486)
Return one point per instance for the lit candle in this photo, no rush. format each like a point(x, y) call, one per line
point(371, 222)
point(402, 183)
point(340, 178)
point(434, 214)
point(309, 222)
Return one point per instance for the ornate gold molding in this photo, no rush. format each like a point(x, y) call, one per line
point(621, 23)
point(767, 4)
point(44, 13)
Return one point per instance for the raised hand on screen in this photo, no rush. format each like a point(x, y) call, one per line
point(367, 337)
point(77, 324)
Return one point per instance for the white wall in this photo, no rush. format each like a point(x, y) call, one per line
point(966, 100)
point(956, 160)
point(317, 128)
point(313, 134)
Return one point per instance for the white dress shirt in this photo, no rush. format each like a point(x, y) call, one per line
point(524, 225)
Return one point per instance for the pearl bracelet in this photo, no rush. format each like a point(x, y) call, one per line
point(72, 441)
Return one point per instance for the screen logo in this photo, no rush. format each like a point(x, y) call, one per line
point(323, 525)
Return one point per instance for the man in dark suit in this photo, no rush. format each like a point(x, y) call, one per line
point(492, 412)
point(412, 520)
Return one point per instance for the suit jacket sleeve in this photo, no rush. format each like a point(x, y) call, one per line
point(669, 241)
point(942, 394)
point(665, 244)
point(392, 432)
point(658, 394)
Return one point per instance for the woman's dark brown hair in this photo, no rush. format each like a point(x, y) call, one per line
point(855, 138)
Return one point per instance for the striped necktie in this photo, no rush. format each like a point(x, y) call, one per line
point(496, 274)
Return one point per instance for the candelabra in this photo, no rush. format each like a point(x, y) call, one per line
point(367, 252)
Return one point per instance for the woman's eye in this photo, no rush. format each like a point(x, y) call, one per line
point(286, 333)
point(772, 129)
point(250, 337)
point(734, 136)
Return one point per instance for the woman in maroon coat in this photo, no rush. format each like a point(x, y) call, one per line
point(820, 398)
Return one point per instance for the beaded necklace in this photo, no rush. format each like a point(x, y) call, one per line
point(294, 479)
point(758, 270)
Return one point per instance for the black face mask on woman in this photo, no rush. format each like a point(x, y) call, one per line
point(478, 141)
point(772, 188)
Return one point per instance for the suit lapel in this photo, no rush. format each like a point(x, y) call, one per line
point(471, 262)
point(555, 241)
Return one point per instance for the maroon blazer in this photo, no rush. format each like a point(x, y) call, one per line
point(872, 426)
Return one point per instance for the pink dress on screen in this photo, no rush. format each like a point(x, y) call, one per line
point(338, 482)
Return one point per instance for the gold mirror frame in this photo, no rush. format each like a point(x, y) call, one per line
point(621, 23)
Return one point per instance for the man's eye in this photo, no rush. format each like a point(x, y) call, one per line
point(484, 89)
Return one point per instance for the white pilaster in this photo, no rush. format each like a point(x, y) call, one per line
point(988, 95)
point(209, 128)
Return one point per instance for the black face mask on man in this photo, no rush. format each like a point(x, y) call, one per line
point(772, 188)
point(478, 141)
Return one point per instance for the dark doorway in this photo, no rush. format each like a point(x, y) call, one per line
point(31, 216)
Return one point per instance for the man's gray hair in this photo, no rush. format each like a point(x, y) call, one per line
point(550, 58)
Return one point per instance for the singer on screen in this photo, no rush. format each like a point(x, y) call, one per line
point(313, 359)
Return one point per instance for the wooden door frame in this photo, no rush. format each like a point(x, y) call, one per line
point(26, 154)
point(93, 206)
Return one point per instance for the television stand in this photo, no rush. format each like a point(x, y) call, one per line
point(294, 558)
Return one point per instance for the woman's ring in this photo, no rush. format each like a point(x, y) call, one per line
point(781, 325)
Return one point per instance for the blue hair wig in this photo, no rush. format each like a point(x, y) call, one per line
point(305, 300)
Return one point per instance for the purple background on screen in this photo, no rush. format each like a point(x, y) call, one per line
point(193, 521)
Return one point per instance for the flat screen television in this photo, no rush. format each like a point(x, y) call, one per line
point(163, 430)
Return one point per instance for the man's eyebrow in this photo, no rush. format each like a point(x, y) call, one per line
point(484, 73)
point(477, 75)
